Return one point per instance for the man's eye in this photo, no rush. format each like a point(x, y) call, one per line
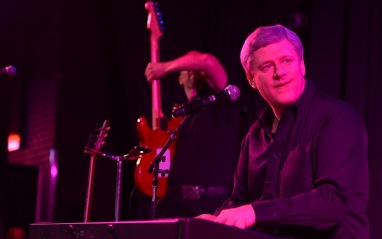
point(266, 67)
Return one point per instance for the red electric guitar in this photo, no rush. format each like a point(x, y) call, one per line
point(156, 137)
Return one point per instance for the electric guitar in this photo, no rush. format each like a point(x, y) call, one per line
point(155, 137)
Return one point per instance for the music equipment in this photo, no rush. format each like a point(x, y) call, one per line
point(176, 228)
point(8, 70)
point(95, 142)
point(230, 93)
point(155, 137)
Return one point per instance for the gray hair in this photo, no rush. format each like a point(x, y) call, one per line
point(264, 36)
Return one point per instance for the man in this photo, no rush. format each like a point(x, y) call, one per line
point(207, 149)
point(302, 171)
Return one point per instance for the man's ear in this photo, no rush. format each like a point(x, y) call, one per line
point(302, 66)
point(251, 80)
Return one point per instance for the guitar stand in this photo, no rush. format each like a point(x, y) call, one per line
point(133, 154)
point(154, 166)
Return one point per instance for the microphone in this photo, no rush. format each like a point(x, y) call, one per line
point(231, 93)
point(8, 70)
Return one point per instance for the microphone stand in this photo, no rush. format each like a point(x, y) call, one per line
point(132, 155)
point(154, 166)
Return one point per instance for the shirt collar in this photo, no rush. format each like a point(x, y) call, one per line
point(267, 117)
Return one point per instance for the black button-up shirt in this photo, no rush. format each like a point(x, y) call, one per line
point(309, 179)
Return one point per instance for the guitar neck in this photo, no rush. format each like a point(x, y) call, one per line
point(156, 105)
point(100, 137)
point(153, 22)
point(155, 87)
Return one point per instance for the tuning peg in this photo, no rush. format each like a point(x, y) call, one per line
point(159, 16)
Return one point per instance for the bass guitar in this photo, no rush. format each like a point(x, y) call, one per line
point(155, 137)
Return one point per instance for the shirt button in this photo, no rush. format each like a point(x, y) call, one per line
point(268, 182)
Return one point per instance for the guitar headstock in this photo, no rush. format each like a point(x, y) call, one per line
point(154, 19)
point(97, 137)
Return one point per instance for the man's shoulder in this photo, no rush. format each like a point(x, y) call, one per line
point(331, 105)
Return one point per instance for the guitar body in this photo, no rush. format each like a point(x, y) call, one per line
point(155, 140)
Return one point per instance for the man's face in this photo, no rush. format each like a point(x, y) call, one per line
point(278, 74)
point(184, 77)
point(192, 80)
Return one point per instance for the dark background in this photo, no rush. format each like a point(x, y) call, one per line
point(95, 53)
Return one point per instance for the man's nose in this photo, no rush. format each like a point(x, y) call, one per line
point(279, 71)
